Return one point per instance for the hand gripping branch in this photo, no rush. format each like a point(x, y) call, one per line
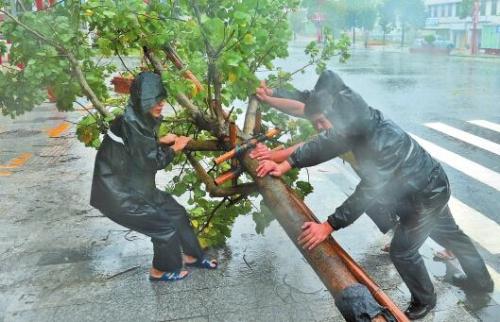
point(246, 146)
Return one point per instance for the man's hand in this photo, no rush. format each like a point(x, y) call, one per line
point(263, 92)
point(270, 167)
point(261, 152)
point(313, 234)
point(168, 139)
point(180, 143)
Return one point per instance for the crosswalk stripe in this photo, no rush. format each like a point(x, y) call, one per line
point(479, 227)
point(488, 125)
point(466, 137)
point(470, 168)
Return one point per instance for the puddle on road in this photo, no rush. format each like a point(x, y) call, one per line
point(481, 305)
point(399, 83)
point(64, 256)
point(18, 134)
point(41, 119)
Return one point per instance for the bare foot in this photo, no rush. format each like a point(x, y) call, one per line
point(444, 255)
point(153, 272)
point(189, 259)
point(202, 263)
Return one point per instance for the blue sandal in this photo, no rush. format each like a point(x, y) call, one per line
point(168, 277)
point(204, 263)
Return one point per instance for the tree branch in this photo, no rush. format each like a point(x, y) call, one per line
point(75, 65)
point(209, 145)
point(201, 120)
point(212, 214)
point(85, 86)
point(215, 191)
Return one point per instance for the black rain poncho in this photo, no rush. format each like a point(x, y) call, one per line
point(123, 186)
point(389, 162)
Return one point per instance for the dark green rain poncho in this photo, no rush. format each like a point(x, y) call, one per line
point(123, 186)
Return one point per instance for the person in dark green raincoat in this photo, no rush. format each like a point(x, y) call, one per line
point(123, 186)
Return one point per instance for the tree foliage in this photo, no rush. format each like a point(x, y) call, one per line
point(222, 42)
point(465, 8)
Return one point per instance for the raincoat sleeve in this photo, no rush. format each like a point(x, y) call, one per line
point(322, 147)
point(369, 191)
point(146, 152)
point(355, 205)
point(292, 94)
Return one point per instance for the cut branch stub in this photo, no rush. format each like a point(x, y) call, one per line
point(247, 146)
point(229, 175)
point(175, 59)
point(250, 117)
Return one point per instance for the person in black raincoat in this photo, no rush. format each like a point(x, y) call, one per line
point(123, 186)
point(395, 171)
point(291, 103)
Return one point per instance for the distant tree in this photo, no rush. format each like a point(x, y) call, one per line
point(335, 12)
point(345, 14)
point(430, 39)
point(360, 14)
point(412, 14)
point(367, 18)
point(464, 8)
point(387, 17)
point(297, 22)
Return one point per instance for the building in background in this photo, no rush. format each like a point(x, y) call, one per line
point(444, 20)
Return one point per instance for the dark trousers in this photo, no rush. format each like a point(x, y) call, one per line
point(168, 225)
point(428, 215)
point(167, 254)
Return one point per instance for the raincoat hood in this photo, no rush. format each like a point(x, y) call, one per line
point(146, 91)
point(330, 81)
point(349, 114)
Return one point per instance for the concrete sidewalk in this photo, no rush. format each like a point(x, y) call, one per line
point(60, 260)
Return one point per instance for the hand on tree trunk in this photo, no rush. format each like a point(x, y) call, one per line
point(270, 167)
point(313, 234)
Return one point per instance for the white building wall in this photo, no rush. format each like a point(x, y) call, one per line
point(443, 19)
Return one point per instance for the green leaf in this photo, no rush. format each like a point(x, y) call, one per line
point(249, 39)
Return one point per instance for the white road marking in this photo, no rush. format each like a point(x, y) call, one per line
point(466, 137)
point(470, 168)
point(479, 227)
point(488, 125)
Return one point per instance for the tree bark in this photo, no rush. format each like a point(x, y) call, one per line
point(250, 116)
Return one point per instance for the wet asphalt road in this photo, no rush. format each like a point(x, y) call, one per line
point(60, 260)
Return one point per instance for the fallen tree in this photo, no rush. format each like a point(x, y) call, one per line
point(223, 43)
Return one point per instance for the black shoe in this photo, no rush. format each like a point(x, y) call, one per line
point(467, 284)
point(417, 311)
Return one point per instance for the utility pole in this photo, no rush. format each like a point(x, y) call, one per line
point(475, 21)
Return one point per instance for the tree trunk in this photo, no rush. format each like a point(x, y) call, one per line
point(336, 269)
point(402, 36)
